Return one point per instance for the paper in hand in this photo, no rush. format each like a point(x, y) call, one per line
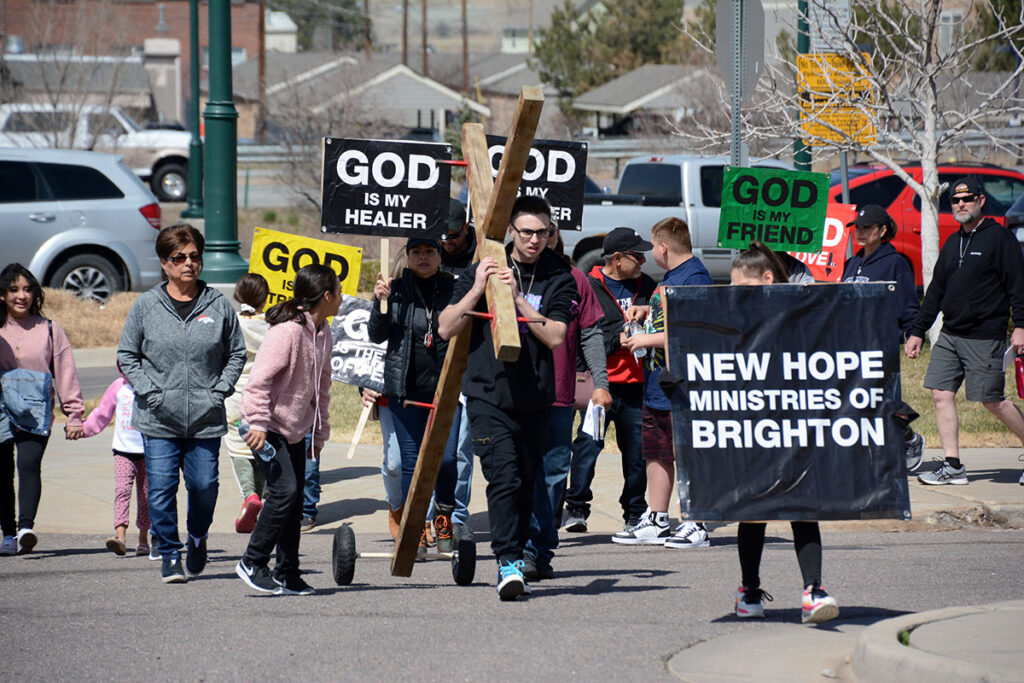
point(593, 421)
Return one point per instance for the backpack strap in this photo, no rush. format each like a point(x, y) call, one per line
point(49, 324)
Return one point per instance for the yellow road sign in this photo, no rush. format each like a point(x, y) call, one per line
point(830, 74)
point(824, 123)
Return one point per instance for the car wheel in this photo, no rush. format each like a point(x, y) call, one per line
point(88, 276)
point(170, 183)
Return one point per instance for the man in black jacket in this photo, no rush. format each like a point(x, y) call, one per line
point(978, 278)
point(458, 243)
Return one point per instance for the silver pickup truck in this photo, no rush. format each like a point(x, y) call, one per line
point(656, 187)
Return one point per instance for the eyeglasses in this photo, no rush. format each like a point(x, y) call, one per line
point(635, 255)
point(179, 259)
point(539, 234)
point(964, 199)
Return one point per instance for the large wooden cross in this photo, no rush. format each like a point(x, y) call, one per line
point(492, 206)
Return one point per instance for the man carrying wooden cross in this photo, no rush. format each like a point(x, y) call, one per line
point(508, 402)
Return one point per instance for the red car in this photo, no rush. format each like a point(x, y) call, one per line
point(879, 185)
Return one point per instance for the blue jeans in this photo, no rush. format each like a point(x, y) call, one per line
point(464, 462)
point(311, 490)
point(410, 424)
point(391, 466)
point(550, 483)
point(627, 404)
point(197, 458)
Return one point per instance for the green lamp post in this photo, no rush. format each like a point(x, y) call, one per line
point(195, 147)
point(222, 264)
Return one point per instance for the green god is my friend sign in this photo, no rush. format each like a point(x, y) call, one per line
point(783, 209)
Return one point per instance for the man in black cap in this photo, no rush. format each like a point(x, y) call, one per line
point(619, 284)
point(458, 243)
point(978, 277)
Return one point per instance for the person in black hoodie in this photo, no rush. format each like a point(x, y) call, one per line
point(508, 401)
point(978, 277)
point(878, 261)
point(458, 243)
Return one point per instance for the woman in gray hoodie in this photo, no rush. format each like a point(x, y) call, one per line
point(182, 350)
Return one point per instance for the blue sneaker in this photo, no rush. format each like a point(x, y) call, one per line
point(511, 583)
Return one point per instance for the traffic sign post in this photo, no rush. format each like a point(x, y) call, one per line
point(739, 52)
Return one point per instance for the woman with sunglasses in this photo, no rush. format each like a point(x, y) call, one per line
point(182, 350)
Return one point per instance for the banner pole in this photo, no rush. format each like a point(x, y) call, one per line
point(357, 435)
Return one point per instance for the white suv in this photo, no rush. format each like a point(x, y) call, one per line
point(158, 156)
point(78, 220)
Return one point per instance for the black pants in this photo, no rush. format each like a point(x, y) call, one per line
point(806, 542)
point(281, 517)
point(30, 448)
point(510, 445)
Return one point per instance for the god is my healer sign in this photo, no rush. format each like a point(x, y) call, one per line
point(783, 401)
point(385, 188)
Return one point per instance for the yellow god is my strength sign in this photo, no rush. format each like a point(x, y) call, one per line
point(277, 256)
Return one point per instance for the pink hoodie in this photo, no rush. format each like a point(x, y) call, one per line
point(288, 386)
point(26, 344)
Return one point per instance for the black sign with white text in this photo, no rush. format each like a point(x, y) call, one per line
point(385, 188)
point(355, 359)
point(556, 170)
point(783, 400)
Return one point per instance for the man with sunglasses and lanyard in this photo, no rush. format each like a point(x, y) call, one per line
point(978, 277)
point(618, 284)
point(508, 402)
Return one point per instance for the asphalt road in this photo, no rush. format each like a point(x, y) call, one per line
point(75, 611)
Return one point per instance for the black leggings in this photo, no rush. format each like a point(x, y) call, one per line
point(806, 542)
point(30, 449)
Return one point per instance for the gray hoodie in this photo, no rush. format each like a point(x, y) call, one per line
point(181, 370)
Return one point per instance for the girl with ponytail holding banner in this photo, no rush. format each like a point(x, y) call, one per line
point(759, 265)
point(287, 396)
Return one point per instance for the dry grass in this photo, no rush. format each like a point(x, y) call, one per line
point(87, 323)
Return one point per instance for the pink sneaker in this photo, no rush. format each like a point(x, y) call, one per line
point(246, 521)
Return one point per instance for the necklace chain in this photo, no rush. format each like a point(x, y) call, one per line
point(519, 276)
point(428, 337)
point(963, 249)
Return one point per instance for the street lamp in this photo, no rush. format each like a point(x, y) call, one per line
point(195, 147)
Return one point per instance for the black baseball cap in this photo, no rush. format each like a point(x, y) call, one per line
point(417, 241)
point(870, 214)
point(456, 217)
point(968, 183)
point(624, 239)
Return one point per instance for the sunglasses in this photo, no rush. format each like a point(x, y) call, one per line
point(635, 255)
point(179, 259)
point(964, 199)
point(530, 234)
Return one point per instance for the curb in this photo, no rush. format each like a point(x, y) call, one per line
point(879, 655)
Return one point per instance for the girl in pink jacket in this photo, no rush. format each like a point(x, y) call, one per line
point(129, 463)
point(286, 397)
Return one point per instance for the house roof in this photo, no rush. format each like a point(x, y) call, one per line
point(380, 83)
point(506, 74)
point(652, 87)
point(85, 74)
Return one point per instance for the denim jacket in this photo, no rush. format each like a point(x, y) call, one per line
point(27, 402)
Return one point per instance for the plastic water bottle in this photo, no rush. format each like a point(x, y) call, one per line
point(267, 453)
point(632, 328)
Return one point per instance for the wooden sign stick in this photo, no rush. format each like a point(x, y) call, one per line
point(357, 435)
point(495, 212)
point(385, 268)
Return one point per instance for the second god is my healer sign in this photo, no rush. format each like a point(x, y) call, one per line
point(385, 188)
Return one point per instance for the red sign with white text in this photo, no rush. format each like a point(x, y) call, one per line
point(827, 264)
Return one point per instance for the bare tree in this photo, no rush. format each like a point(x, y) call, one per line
point(907, 75)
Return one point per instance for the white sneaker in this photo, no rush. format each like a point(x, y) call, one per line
point(9, 546)
point(648, 531)
point(689, 535)
point(27, 540)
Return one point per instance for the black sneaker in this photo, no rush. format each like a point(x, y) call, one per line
point(293, 585)
point(575, 521)
point(529, 567)
point(307, 523)
point(195, 563)
point(256, 577)
point(171, 570)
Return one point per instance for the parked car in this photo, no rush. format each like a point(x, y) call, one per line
point(78, 220)
point(159, 156)
point(653, 188)
point(1015, 219)
point(880, 185)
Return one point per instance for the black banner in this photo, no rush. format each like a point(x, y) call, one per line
point(385, 188)
point(556, 170)
point(355, 359)
point(783, 402)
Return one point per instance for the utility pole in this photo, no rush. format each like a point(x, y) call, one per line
point(423, 5)
point(465, 49)
point(195, 145)
point(261, 76)
point(222, 263)
point(801, 152)
point(405, 32)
